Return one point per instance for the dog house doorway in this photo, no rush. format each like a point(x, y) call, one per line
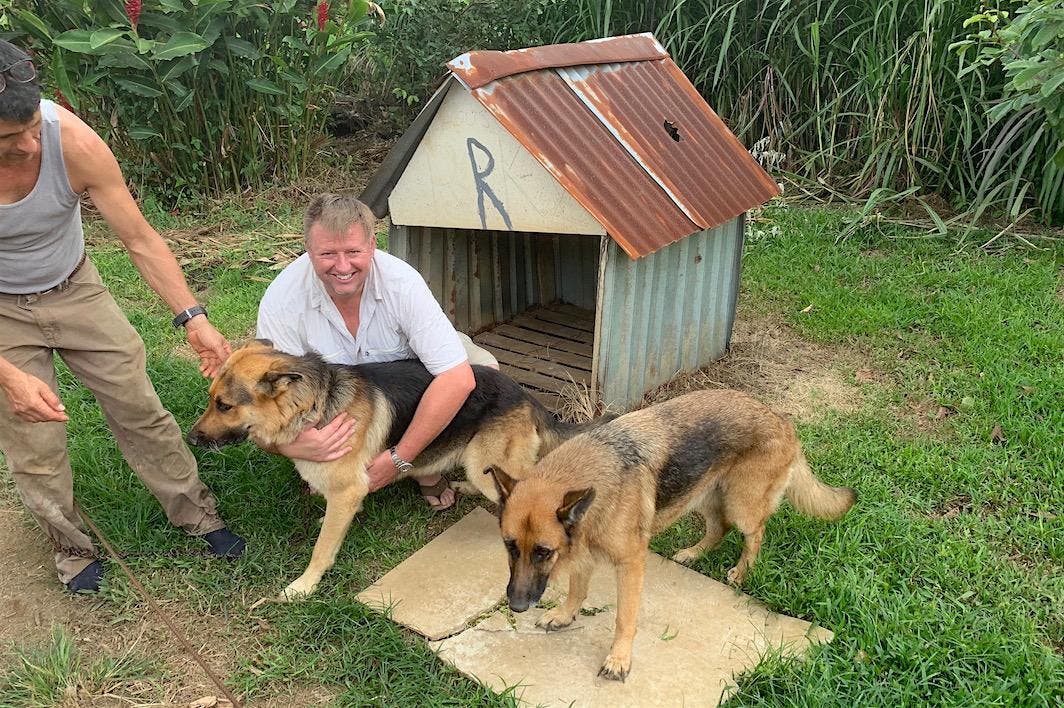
point(528, 298)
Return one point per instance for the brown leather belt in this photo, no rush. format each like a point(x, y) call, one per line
point(60, 287)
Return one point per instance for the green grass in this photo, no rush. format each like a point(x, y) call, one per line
point(944, 585)
point(57, 674)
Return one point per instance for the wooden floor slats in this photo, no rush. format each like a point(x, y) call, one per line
point(545, 349)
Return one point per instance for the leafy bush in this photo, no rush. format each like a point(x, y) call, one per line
point(1029, 49)
point(200, 95)
point(407, 57)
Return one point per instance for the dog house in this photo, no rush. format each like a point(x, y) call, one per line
point(578, 210)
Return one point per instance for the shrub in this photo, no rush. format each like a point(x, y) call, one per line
point(200, 95)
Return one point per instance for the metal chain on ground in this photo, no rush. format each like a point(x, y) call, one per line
point(181, 638)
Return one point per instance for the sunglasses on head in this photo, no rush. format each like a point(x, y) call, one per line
point(19, 72)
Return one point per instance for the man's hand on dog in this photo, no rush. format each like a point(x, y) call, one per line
point(381, 471)
point(322, 444)
point(211, 346)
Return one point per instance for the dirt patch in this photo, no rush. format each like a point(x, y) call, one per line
point(31, 599)
point(771, 363)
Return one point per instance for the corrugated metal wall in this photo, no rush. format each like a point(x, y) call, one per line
point(668, 312)
point(672, 311)
point(482, 278)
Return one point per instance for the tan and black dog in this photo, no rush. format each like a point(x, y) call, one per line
point(604, 493)
point(269, 397)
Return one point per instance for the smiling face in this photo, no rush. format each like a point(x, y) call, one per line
point(20, 142)
point(341, 260)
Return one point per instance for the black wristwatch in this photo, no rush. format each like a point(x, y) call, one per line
point(182, 318)
point(401, 465)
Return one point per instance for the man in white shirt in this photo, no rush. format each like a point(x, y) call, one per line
point(354, 305)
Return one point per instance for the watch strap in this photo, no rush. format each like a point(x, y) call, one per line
point(182, 318)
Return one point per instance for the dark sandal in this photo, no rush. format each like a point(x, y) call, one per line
point(429, 491)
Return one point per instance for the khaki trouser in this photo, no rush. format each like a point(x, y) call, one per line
point(83, 324)
point(476, 354)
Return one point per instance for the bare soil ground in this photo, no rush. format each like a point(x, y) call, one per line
point(766, 360)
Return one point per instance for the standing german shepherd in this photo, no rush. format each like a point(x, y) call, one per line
point(269, 397)
point(604, 493)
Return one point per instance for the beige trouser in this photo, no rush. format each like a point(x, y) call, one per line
point(84, 325)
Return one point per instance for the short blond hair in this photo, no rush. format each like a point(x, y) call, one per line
point(337, 213)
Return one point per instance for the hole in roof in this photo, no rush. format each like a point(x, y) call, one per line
point(672, 130)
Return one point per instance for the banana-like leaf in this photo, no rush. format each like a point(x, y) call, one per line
point(176, 69)
point(181, 44)
point(33, 24)
point(62, 79)
point(265, 86)
point(75, 40)
point(139, 86)
point(101, 38)
point(142, 133)
point(241, 48)
point(185, 102)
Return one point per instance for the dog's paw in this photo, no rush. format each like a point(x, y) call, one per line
point(687, 555)
point(297, 590)
point(555, 618)
point(735, 576)
point(616, 668)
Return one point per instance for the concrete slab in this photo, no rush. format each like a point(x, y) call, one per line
point(453, 580)
point(694, 633)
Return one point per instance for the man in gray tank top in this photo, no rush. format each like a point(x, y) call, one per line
point(53, 301)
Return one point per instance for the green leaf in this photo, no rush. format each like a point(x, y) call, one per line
point(101, 38)
point(62, 79)
point(176, 69)
point(141, 133)
point(33, 24)
point(172, 5)
point(1058, 159)
point(75, 41)
point(1050, 87)
point(155, 20)
point(115, 10)
point(1025, 77)
point(1046, 34)
point(139, 86)
point(265, 86)
point(241, 48)
point(327, 64)
point(125, 60)
point(185, 102)
point(181, 44)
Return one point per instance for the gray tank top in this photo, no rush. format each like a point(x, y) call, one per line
point(41, 239)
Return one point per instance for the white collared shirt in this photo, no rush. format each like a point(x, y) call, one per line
point(398, 318)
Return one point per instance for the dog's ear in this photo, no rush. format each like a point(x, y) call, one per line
point(504, 483)
point(273, 383)
point(264, 342)
point(574, 505)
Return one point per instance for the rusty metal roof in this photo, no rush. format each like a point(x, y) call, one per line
point(624, 132)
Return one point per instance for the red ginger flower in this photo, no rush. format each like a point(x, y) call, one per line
point(323, 14)
point(133, 11)
point(62, 101)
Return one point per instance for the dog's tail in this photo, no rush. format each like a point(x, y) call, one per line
point(811, 496)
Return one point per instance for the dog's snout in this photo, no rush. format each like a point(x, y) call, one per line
point(194, 437)
point(519, 605)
